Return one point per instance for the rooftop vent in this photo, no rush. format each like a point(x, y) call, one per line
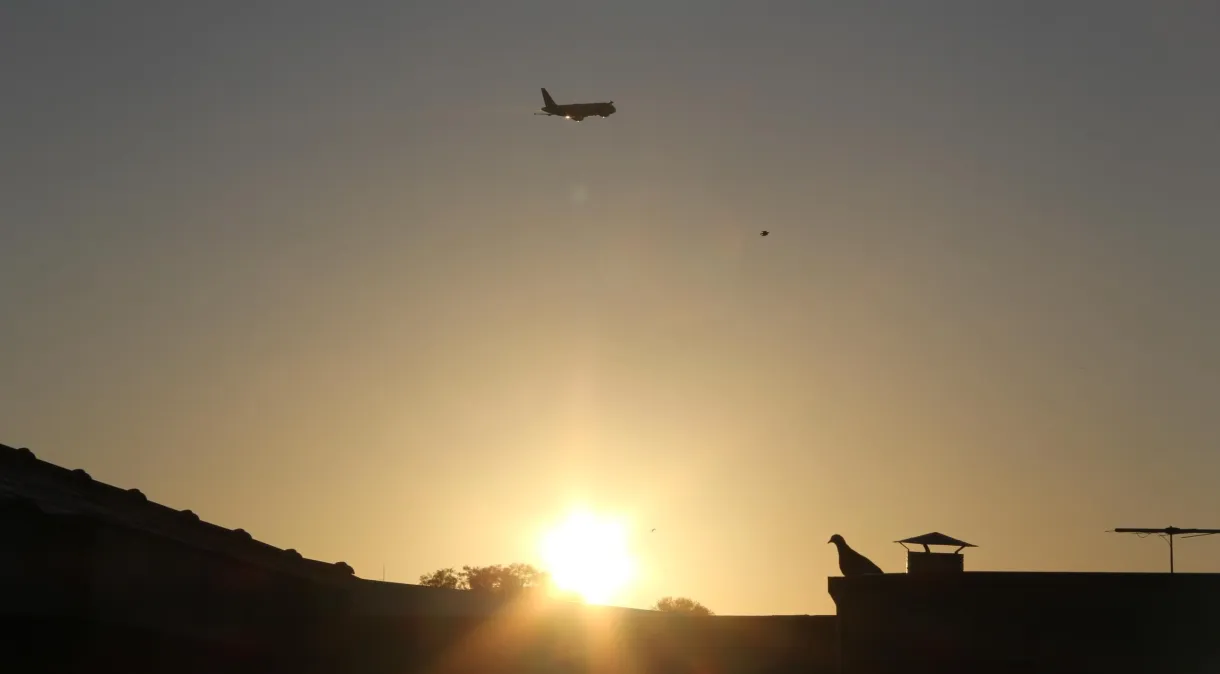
point(926, 561)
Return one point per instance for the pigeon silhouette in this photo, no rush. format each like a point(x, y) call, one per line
point(852, 563)
point(763, 233)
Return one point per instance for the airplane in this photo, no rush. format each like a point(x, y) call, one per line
point(575, 111)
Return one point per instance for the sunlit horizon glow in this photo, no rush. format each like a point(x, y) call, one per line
point(589, 555)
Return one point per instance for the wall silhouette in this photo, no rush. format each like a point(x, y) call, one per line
point(587, 639)
point(96, 578)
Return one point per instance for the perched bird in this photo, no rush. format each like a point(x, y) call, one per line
point(852, 563)
point(763, 233)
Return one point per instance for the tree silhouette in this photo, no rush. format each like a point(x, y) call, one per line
point(508, 581)
point(683, 605)
point(446, 578)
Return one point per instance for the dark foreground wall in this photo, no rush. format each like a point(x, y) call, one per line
point(95, 578)
point(78, 595)
point(591, 639)
point(33, 645)
point(81, 595)
point(508, 643)
point(1029, 622)
point(452, 630)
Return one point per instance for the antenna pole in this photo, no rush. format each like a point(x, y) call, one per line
point(1168, 533)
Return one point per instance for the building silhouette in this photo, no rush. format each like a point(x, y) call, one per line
point(938, 617)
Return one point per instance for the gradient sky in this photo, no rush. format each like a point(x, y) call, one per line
point(313, 269)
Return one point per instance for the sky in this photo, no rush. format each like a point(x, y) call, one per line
point(313, 269)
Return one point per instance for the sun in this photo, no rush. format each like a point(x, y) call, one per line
point(588, 555)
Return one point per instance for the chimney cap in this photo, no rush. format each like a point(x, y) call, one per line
point(935, 538)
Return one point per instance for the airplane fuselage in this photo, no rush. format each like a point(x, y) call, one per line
point(576, 111)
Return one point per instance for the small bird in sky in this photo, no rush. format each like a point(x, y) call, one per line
point(763, 233)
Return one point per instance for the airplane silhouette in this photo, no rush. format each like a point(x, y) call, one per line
point(575, 111)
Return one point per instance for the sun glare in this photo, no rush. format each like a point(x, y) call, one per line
point(588, 555)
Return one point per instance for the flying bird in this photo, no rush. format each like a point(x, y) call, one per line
point(852, 563)
point(763, 233)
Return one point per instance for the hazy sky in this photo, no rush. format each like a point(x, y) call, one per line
point(313, 269)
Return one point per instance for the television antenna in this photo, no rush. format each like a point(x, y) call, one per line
point(1167, 533)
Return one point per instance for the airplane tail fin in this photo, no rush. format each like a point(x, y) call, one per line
point(546, 98)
